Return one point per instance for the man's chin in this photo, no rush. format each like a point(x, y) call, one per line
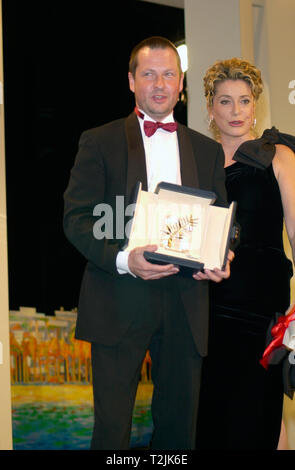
point(158, 114)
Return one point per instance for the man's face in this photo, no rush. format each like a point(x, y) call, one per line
point(157, 82)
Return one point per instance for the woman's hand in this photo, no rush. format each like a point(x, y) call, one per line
point(216, 275)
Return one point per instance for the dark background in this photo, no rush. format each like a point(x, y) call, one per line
point(65, 70)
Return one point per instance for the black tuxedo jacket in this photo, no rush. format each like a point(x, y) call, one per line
point(109, 162)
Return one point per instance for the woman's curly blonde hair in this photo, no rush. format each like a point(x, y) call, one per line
point(232, 69)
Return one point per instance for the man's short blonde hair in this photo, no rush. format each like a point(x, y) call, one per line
point(154, 42)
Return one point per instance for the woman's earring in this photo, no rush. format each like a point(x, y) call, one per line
point(254, 123)
point(210, 122)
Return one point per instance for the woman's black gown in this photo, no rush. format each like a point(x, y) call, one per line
point(241, 403)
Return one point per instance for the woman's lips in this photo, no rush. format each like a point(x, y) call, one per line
point(236, 123)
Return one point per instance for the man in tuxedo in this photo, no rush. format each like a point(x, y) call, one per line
point(128, 305)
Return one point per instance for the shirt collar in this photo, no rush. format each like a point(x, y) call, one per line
point(169, 118)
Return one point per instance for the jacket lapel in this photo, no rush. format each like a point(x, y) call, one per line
point(136, 170)
point(136, 167)
point(188, 166)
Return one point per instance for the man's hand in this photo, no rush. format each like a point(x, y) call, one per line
point(139, 266)
point(216, 275)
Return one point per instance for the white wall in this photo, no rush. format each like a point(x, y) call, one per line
point(214, 29)
point(279, 30)
point(274, 52)
point(5, 392)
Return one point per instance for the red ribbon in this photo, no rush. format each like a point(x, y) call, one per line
point(277, 332)
point(150, 127)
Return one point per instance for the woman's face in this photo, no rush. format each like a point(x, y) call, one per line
point(233, 108)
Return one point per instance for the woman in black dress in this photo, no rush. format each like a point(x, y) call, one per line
point(241, 402)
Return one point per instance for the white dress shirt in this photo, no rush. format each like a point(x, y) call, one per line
point(162, 164)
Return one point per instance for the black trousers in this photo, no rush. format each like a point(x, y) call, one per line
point(176, 369)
